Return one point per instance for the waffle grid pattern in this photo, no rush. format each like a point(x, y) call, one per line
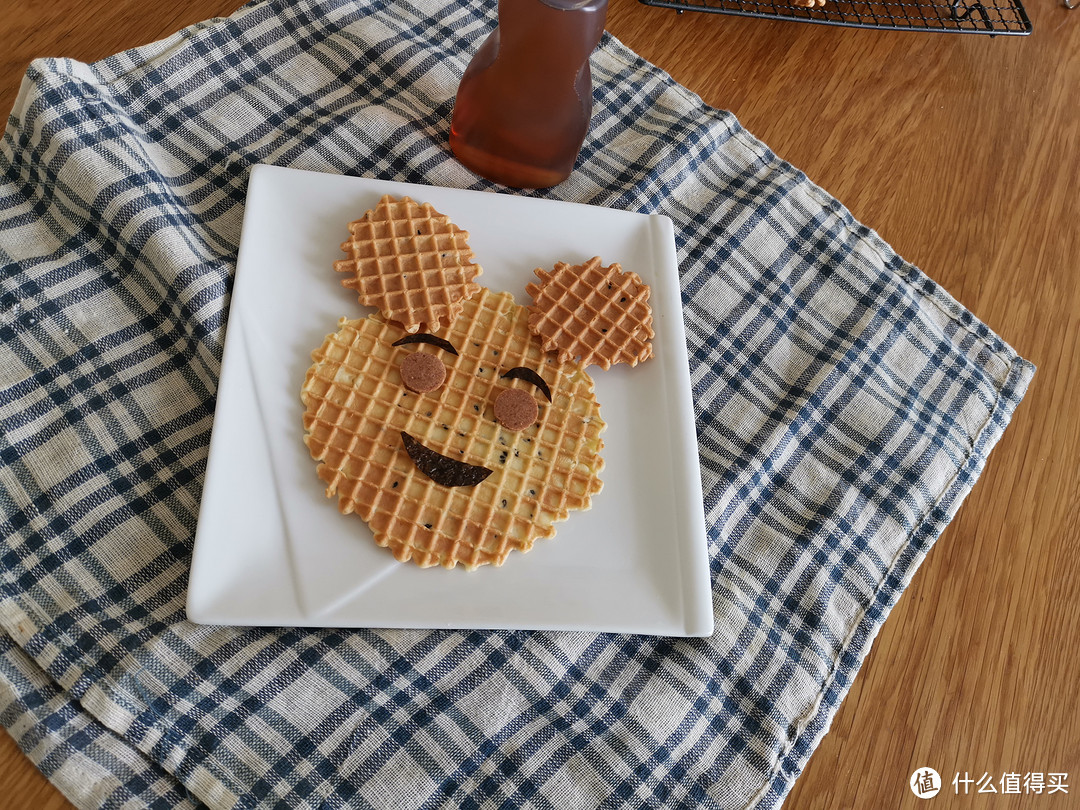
point(356, 408)
point(593, 314)
point(410, 262)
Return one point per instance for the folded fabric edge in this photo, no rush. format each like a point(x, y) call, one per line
point(107, 706)
point(108, 69)
point(151, 54)
point(76, 753)
point(812, 729)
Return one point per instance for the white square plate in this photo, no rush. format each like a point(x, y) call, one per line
point(272, 549)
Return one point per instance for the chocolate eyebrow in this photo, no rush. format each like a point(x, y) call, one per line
point(425, 337)
point(527, 374)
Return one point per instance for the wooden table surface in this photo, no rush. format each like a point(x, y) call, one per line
point(963, 152)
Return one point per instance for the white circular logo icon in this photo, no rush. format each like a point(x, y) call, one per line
point(925, 783)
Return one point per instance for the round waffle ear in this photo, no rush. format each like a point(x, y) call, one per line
point(592, 314)
point(410, 262)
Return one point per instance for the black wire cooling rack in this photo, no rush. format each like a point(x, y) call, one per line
point(957, 16)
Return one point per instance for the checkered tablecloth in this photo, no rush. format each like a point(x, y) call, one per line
point(845, 406)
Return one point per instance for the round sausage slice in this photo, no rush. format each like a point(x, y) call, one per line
point(516, 409)
point(421, 372)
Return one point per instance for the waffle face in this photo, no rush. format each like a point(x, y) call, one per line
point(410, 262)
point(593, 314)
point(356, 410)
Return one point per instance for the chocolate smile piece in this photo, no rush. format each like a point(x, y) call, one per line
point(445, 471)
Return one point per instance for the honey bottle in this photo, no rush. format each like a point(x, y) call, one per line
point(523, 106)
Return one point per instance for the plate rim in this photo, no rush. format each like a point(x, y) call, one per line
point(697, 614)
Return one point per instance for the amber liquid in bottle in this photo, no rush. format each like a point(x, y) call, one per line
point(524, 102)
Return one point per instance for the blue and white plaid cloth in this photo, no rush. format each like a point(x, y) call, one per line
point(845, 404)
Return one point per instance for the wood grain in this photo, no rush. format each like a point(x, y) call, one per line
point(963, 152)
